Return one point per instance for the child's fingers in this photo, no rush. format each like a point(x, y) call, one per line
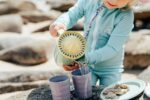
point(60, 26)
point(55, 27)
point(53, 31)
point(77, 64)
point(70, 68)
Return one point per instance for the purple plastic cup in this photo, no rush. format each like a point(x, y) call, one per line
point(60, 87)
point(82, 83)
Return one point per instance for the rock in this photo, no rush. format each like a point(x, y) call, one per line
point(44, 93)
point(27, 76)
point(5, 8)
point(142, 12)
point(38, 16)
point(22, 5)
point(19, 73)
point(37, 27)
point(137, 50)
point(61, 5)
point(145, 75)
point(30, 50)
point(142, 16)
point(42, 5)
point(18, 78)
point(11, 87)
point(21, 95)
point(9, 25)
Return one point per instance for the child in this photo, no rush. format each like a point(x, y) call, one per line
point(107, 26)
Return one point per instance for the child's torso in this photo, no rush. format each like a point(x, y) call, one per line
point(101, 30)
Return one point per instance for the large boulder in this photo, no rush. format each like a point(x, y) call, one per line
point(11, 87)
point(44, 93)
point(142, 12)
point(28, 76)
point(17, 77)
point(26, 50)
point(19, 95)
point(142, 16)
point(5, 8)
point(42, 27)
point(38, 16)
point(22, 5)
point(11, 23)
point(61, 5)
point(137, 50)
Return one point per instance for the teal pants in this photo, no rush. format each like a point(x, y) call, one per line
point(105, 78)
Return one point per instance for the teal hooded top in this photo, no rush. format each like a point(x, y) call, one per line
point(109, 32)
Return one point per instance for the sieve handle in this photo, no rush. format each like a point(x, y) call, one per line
point(61, 31)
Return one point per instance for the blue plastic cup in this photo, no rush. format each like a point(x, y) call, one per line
point(82, 83)
point(60, 87)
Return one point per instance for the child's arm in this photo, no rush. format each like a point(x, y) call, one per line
point(71, 17)
point(116, 41)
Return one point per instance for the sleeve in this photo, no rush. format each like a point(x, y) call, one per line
point(74, 13)
point(116, 41)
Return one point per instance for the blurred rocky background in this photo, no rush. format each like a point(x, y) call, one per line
point(26, 48)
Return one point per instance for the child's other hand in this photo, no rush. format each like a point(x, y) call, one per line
point(55, 27)
point(71, 67)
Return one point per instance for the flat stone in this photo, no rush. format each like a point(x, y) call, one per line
point(37, 27)
point(5, 8)
point(145, 75)
point(137, 50)
point(142, 12)
point(9, 25)
point(12, 87)
point(30, 50)
point(61, 5)
point(22, 5)
point(44, 93)
point(38, 16)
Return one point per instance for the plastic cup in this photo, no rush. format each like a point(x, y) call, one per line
point(60, 87)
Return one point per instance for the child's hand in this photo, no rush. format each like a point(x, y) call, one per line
point(71, 67)
point(55, 27)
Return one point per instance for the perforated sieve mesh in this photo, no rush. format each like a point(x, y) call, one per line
point(72, 45)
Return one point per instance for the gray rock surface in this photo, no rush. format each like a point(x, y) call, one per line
point(41, 27)
point(26, 50)
point(5, 8)
point(142, 12)
point(19, 78)
point(38, 16)
point(137, 50)
point(11, 23)
point(12, 87)
point(62, 5)
point(22, 5)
